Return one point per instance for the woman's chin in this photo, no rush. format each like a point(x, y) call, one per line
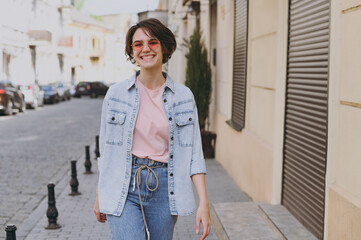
point(150, 66)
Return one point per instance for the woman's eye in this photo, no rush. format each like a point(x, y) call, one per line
point(138, 44)
point(153, 42)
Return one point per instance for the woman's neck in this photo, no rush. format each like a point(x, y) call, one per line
point(152, 79)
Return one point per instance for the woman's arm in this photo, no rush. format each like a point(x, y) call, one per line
point(101, 217)
point(203, 208)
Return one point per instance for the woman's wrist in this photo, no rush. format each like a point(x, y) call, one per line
point(204, 203)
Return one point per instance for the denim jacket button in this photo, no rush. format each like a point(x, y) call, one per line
point(171, 138)
point(171, 156)
point(170, 118)
point(171, 174)
point(165, 100)
point(190, 119)
point(113, 118)
point(171, 193)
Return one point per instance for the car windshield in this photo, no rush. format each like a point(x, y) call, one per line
point(82, 84)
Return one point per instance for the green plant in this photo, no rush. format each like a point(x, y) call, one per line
point(199, 75)
point(78, 4)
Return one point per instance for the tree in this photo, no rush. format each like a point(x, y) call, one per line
point(198, 75)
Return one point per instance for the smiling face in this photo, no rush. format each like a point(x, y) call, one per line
point(150, 55)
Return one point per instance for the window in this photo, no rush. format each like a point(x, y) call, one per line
point(239, 65)
point(61, 62)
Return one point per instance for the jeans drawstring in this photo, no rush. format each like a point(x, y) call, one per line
point(137, 180)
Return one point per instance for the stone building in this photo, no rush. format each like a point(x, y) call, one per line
point(15, 62)
point(45, 29)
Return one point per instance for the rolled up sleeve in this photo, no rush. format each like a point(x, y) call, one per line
point(197, 162)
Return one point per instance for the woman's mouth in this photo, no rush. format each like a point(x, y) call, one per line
point(146, 57)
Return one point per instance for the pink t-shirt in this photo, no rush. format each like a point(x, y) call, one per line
point(151, 131)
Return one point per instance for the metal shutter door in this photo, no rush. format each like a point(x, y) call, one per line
point(305, 142)
point(239, 63)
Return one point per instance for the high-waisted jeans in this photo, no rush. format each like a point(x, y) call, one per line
point(131, 225)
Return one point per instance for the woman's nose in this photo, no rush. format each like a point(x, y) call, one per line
point(146, 48)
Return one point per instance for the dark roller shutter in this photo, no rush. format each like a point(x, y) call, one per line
point(239, 64)
point(305, 143)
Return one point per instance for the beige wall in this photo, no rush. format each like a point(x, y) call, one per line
point(344, 212)
point(225, 33)
point(182, 24)
point(249, 155)
point(343, 199)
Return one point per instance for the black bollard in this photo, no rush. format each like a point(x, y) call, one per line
point(96, 151)
point(10, 232)
point(52, 212)
point(74, 183)
point(87, 164)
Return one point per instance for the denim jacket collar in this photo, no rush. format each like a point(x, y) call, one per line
point(168, 82)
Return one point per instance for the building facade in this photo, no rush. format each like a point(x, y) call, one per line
point(92, 46)
point(46, 28)
point(15, 62)
point(122, 68)
point(286, 102)
point(51, 41)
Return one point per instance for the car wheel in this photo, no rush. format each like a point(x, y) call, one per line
point(93, 95)
point(9, 110)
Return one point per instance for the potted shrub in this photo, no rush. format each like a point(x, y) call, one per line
point(199, 80)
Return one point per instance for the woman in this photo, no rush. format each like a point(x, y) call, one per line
point(150, 146)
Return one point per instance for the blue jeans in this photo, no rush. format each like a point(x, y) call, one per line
point(130, 224)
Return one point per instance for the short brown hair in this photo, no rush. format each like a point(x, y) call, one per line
point(156, 29)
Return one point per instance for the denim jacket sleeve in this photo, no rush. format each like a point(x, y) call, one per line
point(197, 162)
point(102, 131)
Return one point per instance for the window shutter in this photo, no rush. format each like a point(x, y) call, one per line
point(305, 139)
point(239, 64)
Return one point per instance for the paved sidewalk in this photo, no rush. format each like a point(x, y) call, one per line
point(78, 221)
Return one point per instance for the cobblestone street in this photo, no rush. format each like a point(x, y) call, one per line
point(36, 147)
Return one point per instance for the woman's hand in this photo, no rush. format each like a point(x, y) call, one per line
point(101, 217)
point(204, 218)
point(203, 209)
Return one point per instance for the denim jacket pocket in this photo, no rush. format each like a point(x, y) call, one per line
point(115, 127)
point(185, 126)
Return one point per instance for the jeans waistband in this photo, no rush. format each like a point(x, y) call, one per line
point(147, 161)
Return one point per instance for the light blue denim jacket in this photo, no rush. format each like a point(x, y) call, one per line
point(119, 114)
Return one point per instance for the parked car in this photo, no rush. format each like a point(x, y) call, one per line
point(63, 91)
point(51, 94)
point(92, 89)
point(34, 95)
point(10, 98)
point(72, 89)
